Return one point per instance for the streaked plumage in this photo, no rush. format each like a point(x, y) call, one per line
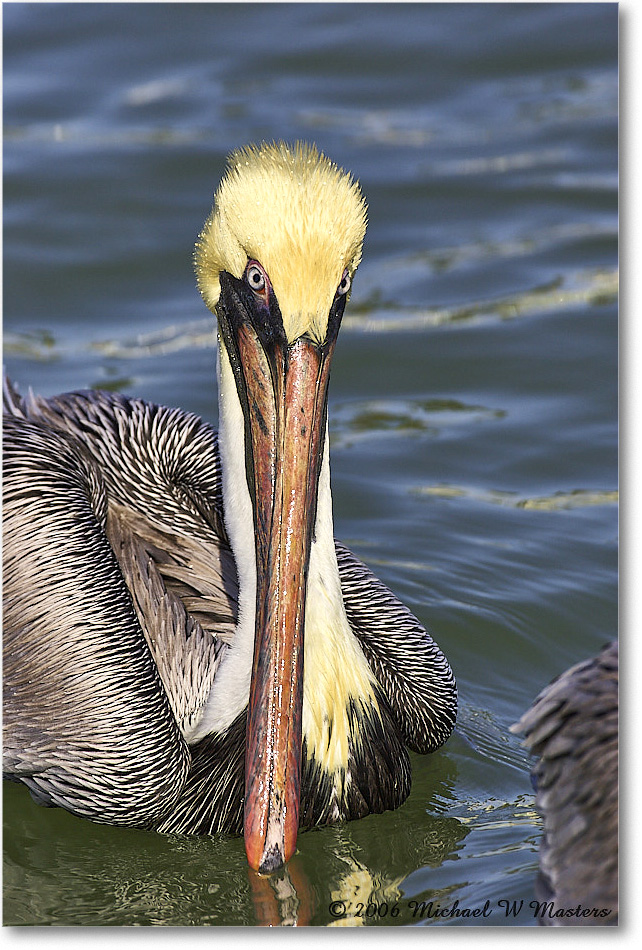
point(127, 557)
point(572, 727)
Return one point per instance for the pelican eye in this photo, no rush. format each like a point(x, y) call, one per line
point(256, 278)
point(344, 286)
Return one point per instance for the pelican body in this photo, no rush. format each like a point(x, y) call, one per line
point(572, 728)
point(187, 648)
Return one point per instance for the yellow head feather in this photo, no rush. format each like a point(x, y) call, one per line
point(295, 212)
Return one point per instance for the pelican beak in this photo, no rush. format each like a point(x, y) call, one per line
point(282, 388)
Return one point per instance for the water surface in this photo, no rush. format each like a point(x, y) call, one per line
point(473, 405)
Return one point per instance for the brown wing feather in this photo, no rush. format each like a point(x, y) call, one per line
point(572, 727)
point(120, 595)
point(185, 612)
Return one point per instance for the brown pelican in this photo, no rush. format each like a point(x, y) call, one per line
point(187, 648)
point(573, 729)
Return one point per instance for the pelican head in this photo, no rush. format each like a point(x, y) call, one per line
point(296, 214)
point(274, 262)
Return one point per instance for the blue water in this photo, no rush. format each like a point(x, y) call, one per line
point(473, 406)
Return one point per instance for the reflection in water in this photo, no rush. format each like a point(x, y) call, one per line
point(62, 869)
point(369, 895)
point(383, 418)
point(558, 501)
point(282, 899)
point(578, 289)
point(486, 251)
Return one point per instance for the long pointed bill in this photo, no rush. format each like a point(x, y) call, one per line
point(283, 391)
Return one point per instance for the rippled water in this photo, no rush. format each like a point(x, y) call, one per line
point(473, 405)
